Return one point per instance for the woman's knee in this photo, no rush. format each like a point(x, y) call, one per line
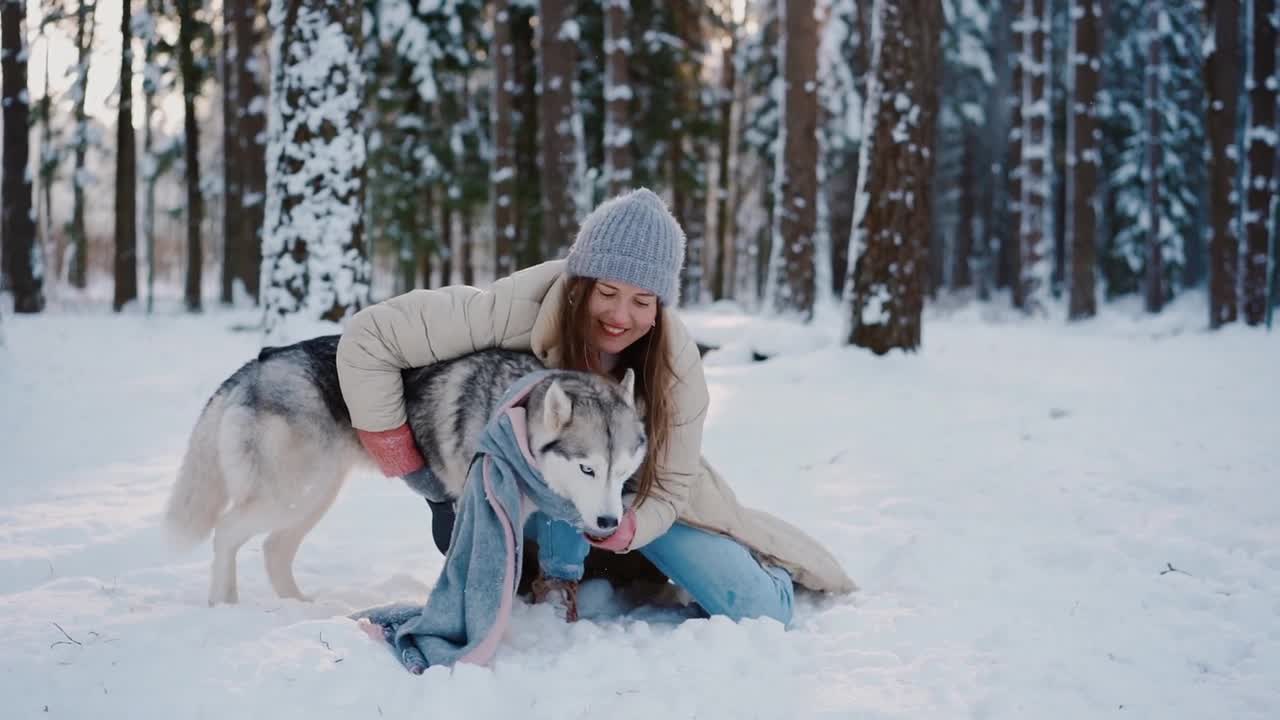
point(722, 575)
point(774, 599)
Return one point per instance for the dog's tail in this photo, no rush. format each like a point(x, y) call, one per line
point(200, 495)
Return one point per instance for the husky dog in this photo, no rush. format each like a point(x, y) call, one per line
point(274, 444)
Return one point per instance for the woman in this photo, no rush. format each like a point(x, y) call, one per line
point(607, 307)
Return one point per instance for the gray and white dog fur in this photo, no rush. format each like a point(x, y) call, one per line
point(274, 445)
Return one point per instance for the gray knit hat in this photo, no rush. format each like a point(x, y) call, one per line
point(632, 238)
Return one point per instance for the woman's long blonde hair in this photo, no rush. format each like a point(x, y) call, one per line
point(650, 359)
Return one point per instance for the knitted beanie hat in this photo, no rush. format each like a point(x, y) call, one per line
point(631, 238)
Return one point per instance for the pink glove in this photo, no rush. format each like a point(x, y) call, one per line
point(394, 450)
point(621, 538)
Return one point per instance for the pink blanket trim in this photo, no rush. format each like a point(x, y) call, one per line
point(483, 652)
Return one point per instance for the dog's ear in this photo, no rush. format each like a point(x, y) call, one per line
point(557, 408)
point(629, 387)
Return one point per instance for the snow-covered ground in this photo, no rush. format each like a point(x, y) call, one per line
point(1047, 521)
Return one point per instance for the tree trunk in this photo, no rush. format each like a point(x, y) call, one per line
point(231, 151)
point(1007, 269)
point(1154, 282)
point(1035, 256)
point(429, 242)
point(126, 260)
point(191, 146)
point(465, 249)
point(22, 262)
point(79, 269)
point(557, 61)
point(891, 226)
point(505, 226)
point(49, 161)
point(797, 186)
point(149, 200)
point(527, 193)
point(1220, 81)
point(1260, 146)
point(962, 253)
point(721, 277)
point(252, 152)
point(313, 245)
point(446, 237)
point(617, 95)
point(1083, 157)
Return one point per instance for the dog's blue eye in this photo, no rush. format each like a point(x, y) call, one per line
point(587, 470)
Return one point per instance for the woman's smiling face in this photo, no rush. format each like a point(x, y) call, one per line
point(620, 315)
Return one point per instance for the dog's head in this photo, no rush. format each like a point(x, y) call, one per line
point(588, 440)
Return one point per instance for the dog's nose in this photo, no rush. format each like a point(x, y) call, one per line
point(606, 522)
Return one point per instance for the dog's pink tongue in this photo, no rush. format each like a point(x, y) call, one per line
point(520, 426)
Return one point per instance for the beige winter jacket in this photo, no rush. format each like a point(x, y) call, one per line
point(521, 312)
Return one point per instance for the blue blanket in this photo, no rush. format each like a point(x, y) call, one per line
point(469, 607)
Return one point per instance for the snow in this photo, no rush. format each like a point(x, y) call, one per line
point(1011, 499)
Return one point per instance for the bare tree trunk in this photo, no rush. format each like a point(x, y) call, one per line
point(231, 151)
point(1083, 156)
point(891, 226)
point(617, 93)
point(721, 287)
point(85, 15)
point(505, 227)
point(22, 265)
point(465, 249)
point(1220, 80)
point(252, 119)
point(1261, 145)
point(429, 242)
point(962, 253)
point(557, 59)
point(797, 186)
point(126, 260)
point(191, 135)
point(446, 237)
point(1155, 287)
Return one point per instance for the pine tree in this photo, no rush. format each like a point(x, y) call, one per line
point(969, 79)
point(888, 247)
point(50, 152)
point(22, 267)
point(231, 151)
point(617, 96)
point(842, 67)
point(722, 275)
point(156, 79)
point(505, 221)
point(192, 71)
point(758, 66)
point(1221, 84)
point(126, 235)
point(1035, 256)
point(83, 140)
point(314, 262)
point(560, 124)
point(1139, 231)
point(796, 191)
point(1260, 151)
point(1007, 269)
point(252, 119)
point(1083, 156)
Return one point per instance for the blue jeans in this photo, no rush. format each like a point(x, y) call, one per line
point(719, 572)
